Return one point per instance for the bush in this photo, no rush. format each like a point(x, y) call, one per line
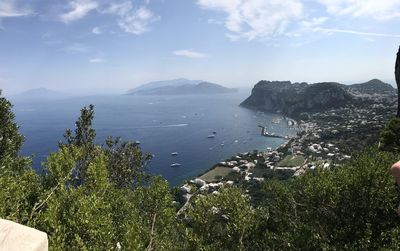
point(390, 136)
point(349, 208)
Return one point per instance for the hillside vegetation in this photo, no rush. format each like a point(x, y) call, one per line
point(99, 197)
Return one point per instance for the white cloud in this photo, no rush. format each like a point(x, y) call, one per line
point(314, 22)
point(76, 48)
point(330, 30)
point(130, 19)
point(119, 9)
point(135, 20)
point(97, 30)
point(97, 60)
point(251, 19)
point(138, 21)
point(378, 9)
point(10, 8)
point(78, 10)
point(189, 54)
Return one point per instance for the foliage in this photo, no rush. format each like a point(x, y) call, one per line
point(84, 132)
point(349, 208)
point(126, 163)
point(390, 136)
point(19, 184)
point(156, 227)
point(221, 221)
point(19, 189)
point(10, 139)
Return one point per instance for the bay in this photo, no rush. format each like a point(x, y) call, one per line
point(163, 124)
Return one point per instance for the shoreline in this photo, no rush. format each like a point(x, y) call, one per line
point(250, 154)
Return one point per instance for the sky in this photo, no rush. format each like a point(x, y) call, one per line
point(99, 46)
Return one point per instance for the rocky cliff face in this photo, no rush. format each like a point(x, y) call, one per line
point(293, 99)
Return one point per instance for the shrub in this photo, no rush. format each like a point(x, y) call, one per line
point(390, 136)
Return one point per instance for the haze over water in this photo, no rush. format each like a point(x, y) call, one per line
point(163, 124)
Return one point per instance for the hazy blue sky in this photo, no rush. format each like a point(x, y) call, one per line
point(102, 44)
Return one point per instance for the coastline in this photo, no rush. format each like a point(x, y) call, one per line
point(260, 153)
point(239, 164)
point(323, 140)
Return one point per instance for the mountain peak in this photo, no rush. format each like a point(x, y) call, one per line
point(180, 87)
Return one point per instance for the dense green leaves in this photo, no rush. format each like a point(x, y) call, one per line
point(126, 163)
point(222, 221)
point(349, 208)
point(390, 136)
point(10, 139)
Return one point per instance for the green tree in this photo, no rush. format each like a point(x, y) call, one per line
point(156, 226)
point(126, 163)
point(222, 221)
point(10, 139)
point(19, 184)
point(390, 136)
point(76, 217)
point(83, 136)
point(125, 160)
point(348, 208)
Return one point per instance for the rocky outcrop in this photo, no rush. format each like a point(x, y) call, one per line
point(293, 99)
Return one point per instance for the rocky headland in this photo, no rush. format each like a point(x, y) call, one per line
point(292, 99)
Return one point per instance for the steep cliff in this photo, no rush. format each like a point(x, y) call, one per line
point(293, 99)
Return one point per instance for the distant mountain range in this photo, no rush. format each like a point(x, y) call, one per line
point(39, 94)
point(180, 87)
point(294, 98)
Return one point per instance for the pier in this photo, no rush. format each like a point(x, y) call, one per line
point(265, 133)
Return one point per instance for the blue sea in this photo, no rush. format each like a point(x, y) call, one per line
point(163, 124)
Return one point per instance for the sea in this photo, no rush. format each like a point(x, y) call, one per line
point(162, 124)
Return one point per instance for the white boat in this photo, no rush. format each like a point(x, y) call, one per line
point(222, 144)
point(174, 153)
point(175, 165)
point(211, 136)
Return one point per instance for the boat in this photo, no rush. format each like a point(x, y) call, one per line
point(174, 153)
point(175, 165)
point(211, 136)
point(276, 120)
point(222, 144)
